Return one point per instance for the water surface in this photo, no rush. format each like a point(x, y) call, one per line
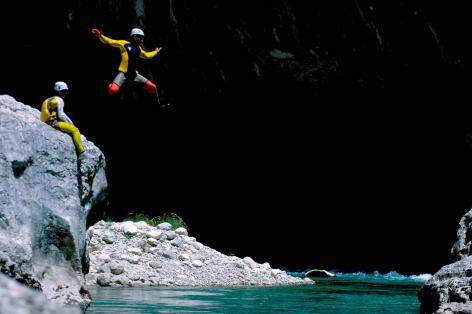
point(351, 293)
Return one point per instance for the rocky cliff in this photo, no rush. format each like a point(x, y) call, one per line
point(46, 196)
point(450, 289)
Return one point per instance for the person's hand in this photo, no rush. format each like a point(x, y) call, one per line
point(158, 49)
point(97, 32)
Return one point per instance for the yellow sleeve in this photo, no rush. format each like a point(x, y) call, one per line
point(147, 54)
point(112, 42)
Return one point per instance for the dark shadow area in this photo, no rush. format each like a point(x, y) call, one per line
point(307, 136)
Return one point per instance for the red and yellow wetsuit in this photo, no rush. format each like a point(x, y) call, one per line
point(129, 53)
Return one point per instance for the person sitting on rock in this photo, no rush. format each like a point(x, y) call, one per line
point(52, 113)
point(130, 52)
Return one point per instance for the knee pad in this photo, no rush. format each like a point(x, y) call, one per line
point(113, 88)
point(150, 87)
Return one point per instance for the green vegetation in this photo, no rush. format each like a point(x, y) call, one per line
point(109, 220)
point(129, 235)
point(172, 218)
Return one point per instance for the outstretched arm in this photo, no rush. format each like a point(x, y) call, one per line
point(106, 40)
point(149, 54)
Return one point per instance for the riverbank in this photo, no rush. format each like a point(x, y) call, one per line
point(135, 254)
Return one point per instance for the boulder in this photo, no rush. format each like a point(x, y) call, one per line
point(18, 299)
point(450, 289)
point(46, 196)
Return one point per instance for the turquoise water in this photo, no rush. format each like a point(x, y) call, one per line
point(350, 293)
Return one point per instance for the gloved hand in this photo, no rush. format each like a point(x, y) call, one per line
point(97, 32)
point(158, 49)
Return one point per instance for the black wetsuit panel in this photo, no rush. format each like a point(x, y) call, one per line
point(133, 56)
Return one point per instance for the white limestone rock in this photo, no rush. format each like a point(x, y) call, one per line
point(46, 195)
point(176, 262)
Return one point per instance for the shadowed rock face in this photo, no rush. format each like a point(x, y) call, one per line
point(46, 195)
point(450, 289)
point(463, 246)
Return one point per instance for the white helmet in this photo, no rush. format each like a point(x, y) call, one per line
point(137, 31)
point(60, 86)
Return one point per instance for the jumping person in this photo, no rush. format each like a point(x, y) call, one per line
point(130, 52)
point(52, 113)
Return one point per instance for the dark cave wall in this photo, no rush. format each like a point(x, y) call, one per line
point(295, 100)
point(219, 48)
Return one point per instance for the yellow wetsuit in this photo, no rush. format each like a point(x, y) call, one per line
point(129, 53)
point(52, 113)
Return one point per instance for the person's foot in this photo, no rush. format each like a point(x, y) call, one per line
point(81, 154)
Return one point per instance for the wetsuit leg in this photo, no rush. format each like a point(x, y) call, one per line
point(72, 130)
point(115, 86)
point(148, 86)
